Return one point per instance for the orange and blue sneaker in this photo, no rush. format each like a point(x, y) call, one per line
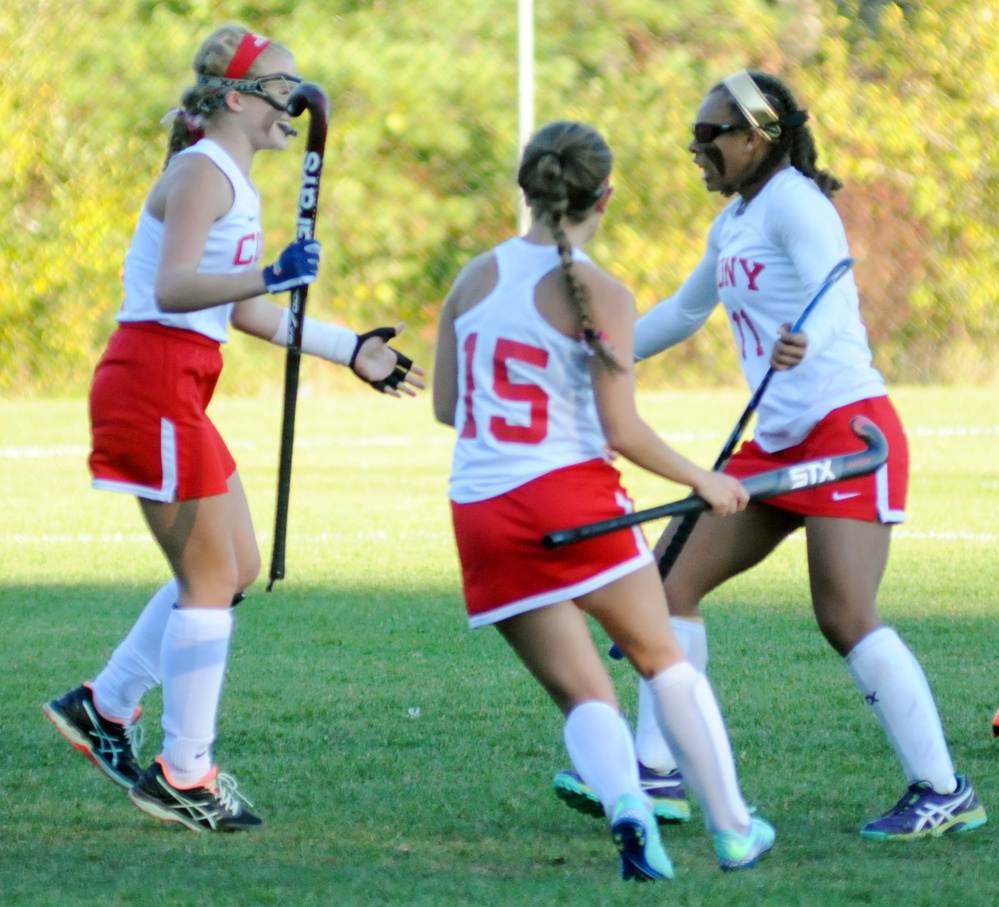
point(636, 835)
point(738, 851)
point(111, 746)
point(665, 790)
point(923, 813)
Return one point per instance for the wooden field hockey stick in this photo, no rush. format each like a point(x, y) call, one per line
point(808, 474)
point(311, 97)
point(686, 525)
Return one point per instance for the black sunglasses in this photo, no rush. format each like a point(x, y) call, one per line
point(706, 133)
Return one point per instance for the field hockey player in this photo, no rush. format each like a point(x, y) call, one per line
point(534, 370)
point(192, 269)
point(767, 252)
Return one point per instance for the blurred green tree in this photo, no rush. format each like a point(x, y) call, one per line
point(422, 157)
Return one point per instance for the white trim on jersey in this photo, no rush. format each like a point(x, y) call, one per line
point(167, 491)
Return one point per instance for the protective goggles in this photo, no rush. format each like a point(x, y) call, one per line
point(275, 89)
point(706, 133)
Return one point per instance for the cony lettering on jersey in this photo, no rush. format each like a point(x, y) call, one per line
point(764, 262)
point(248, 250)
point(525, 395)
point(731, 270)
point(234, 244)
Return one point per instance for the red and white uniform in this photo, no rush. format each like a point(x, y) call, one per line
point(530, 453)
point(764, 262)
point(150, 434)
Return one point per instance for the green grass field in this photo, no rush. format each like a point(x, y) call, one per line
point(399, 758)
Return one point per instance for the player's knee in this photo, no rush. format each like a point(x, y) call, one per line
point(680, 601)
point(650, 656)
point(248, 570)
point(841, 635)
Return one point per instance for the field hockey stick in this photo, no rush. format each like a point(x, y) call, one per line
point(311, 97)
point(799, 476)
point(686, 525)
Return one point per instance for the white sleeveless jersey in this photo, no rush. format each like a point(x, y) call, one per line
point(525, 395)
point(233, 245)
point(764, 262)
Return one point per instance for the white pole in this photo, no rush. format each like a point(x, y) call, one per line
point(525, 91)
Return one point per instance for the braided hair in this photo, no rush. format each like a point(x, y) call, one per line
point(562, 173)
point(795, 140)
point(200, 101)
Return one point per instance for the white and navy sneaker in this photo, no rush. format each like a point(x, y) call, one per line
point(111, 746)
point(212, 805)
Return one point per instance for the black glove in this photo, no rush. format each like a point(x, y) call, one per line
point(402, 362)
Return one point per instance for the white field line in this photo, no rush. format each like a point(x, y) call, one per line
point(33, 452)
point(264, 538)
point(77, 451)
point(139, 538)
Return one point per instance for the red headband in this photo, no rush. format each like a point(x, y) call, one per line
point(250, 47)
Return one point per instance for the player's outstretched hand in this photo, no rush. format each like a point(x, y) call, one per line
point(724, 493)
point(385, 369)
point(789, 349)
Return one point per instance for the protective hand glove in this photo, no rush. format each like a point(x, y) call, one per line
point(297, 266)
point(402, 362)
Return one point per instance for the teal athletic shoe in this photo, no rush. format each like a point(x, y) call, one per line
point(666, 791)
point(736, 851)
point(636, 835)
point(923, 813)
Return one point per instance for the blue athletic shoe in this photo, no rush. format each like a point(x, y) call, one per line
point(666, 791)
point(736, 851)
point(923, 813)
point(636, 835)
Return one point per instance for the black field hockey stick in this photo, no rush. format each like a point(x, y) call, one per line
point(686, 525)
point(311, 97)
point(807, 474)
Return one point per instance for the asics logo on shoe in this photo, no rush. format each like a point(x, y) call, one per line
point(104, 743)
point(931, 815)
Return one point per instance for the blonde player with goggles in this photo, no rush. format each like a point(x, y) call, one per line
point(192, 269)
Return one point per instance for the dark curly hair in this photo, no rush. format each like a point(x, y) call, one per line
point(795, 140)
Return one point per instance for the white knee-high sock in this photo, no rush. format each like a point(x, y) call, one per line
point(895, 687)
point(134, 667)
point(652, 748)
point(195, 647)
point(693, 726)
point(599, 743)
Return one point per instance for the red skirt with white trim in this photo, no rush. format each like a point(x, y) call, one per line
point(150, 434)
point(879, 497)
point(507, 571)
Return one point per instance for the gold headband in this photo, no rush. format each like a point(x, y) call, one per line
point(753, 104)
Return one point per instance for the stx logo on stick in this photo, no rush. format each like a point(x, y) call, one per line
point(805, 474)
